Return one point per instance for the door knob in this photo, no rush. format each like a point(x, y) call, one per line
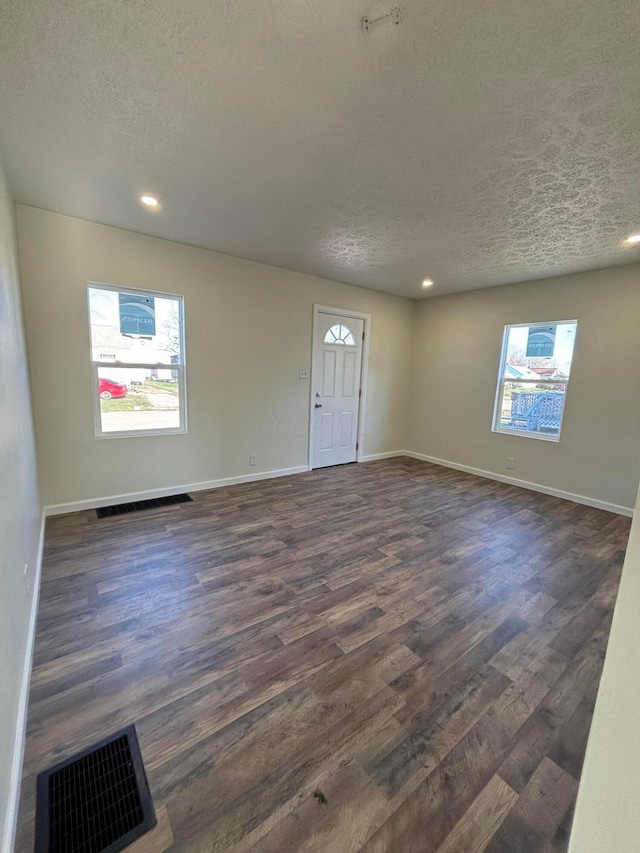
point(318, 405)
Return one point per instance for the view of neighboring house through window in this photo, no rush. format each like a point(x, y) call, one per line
point(534, 376)
point(137, 357)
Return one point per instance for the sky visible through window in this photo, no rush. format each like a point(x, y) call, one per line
point(563, 352)
point(104, 311)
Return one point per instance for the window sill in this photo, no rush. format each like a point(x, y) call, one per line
point(523, 434)
point(141, 433)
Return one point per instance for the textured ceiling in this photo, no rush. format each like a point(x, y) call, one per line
point(475, 144)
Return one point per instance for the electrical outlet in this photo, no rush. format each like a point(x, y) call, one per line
point(253, 459)
point(511, 462)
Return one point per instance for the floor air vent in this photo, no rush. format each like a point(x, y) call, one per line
point(137, 506)
point(95, 802)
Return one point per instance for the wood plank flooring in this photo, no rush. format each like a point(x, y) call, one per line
point(421, 646)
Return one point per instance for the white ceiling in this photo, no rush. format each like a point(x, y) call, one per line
point(475, 144)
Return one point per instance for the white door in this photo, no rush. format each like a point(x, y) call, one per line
point(335, 392)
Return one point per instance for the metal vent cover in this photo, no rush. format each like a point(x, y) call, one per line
point(137, 506)
point(97, 801)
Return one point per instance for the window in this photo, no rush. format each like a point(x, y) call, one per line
point(137, 358)
point(534, 377)
point(340, 335)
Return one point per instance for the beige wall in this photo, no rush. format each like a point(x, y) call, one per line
point(607, 814)
point(248, 333)
point(457, 346)
point(248, 330)
point(20, 516)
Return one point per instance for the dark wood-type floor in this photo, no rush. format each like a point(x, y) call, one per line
point(422, 646)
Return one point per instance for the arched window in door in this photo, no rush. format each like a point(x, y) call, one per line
point(340, 334)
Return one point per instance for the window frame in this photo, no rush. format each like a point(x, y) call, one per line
point(180, 367)
point(495, 423)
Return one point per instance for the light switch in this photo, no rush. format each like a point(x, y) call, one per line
point(303, 374)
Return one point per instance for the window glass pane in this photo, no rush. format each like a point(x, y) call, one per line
point(539, 351)
point(134, 327)
point(340, 335)
point(138, 398)
point(529, 408)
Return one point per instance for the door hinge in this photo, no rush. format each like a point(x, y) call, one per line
point(357, 444)
point(363, 336)
point(360, 393)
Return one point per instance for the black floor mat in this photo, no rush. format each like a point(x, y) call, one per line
point(97, 801)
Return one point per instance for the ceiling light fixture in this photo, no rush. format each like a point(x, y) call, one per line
point(634, 238)
point(427, 283)
point(149, 201)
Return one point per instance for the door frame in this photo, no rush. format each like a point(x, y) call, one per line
point(364, 372)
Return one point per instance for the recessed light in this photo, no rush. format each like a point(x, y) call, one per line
point(149, 201)
point(634, 238)
point(427, 283)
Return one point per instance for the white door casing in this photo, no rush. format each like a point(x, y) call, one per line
point(335, 388)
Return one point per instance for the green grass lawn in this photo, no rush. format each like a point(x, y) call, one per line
point(130, 403)
point(160, 383)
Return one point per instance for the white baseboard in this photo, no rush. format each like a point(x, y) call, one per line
point(524, 484)
point(92, 503)
point(8, 842)
point(373, 457)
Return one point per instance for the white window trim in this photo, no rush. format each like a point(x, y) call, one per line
point(179, 368)
point(495, 423)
